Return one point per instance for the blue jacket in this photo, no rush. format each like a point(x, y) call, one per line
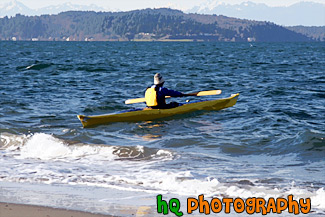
point(162, 92)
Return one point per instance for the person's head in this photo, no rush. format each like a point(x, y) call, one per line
point(158, 79)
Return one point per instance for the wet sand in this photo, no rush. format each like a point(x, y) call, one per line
point(19, 210)
point(39, 200)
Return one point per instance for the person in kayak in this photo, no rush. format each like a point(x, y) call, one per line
point(155, 95)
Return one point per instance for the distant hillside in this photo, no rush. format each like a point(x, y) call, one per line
point(148, 24)
point(315, 32)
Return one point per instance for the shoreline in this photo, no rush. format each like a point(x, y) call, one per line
point(43, 200)
point(16, 210)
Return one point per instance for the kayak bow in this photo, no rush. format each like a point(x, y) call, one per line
point(151, 114)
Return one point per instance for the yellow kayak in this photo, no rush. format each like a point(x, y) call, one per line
point(151, 114)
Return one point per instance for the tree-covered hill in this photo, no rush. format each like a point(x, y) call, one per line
point(148, 24)
point(315, 32)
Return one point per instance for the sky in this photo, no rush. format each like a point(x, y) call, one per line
point(125, 5)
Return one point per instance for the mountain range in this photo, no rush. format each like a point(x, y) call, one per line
point(15, 7)
point(303, 13)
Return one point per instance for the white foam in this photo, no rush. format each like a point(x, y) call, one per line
point(11, 142)
point(318, 200)
point(45, 147)
point(317, 197)
point(164, 152)
point(96, 166)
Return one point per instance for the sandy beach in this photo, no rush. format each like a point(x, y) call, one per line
point(38, 200)
point(17, 210)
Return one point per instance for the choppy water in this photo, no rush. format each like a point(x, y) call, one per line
point(270, 144)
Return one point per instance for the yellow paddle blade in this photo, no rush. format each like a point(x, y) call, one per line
point(209, 92)
point(137, 100)
point(201, 93)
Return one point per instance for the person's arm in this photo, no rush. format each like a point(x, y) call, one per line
point(172, 93)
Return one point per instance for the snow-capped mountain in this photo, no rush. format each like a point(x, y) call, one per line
point(14, 7)
point(69, 7)
point(303, 13)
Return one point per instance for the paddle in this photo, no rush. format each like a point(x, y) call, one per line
point(200, 93)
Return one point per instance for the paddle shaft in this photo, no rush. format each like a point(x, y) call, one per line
point(200, 93)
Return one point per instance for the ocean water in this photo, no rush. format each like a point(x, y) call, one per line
point(270, 144)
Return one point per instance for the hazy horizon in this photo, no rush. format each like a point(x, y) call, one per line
point(124, 5)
